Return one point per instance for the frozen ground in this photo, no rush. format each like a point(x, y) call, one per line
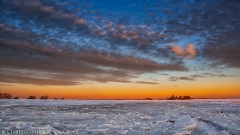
point(158, 117)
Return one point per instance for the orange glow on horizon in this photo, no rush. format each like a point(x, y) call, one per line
point(126, 91)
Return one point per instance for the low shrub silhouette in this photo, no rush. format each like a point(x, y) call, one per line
point(31, 97)
point(44, 97)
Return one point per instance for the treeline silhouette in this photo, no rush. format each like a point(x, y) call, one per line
point(179, 98)
point(9, 96)
point(5, 96)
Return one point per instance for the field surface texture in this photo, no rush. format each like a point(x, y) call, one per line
point(113, 117)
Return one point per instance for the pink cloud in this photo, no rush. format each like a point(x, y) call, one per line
point(188, 52)
point(80, 21)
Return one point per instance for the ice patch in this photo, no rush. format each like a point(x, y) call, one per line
point(108, 125)
point(219, 133)
point(122, 132)
point(97, 130)
point(192, 126)
point(137, 123)
point(185, 133)
point(160, 122)
point(146, 117)
point(145, 128)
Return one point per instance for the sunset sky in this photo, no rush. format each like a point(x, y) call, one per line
point(130, 49)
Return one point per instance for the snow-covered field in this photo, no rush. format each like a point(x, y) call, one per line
point(155, 117)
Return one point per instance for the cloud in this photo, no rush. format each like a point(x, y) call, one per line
point(223, 49)
point(193, 77)
point(181, 78)
point(163, 74)
point(93, 66)
point(1, 84)
point(91, 44)
point(37, 8)
point(65, 78)
point(218, 31)
point(188, 52)
point(24, 79)
point(144, 82)
point(116, 61)
point(212, 75)
point(132, 34)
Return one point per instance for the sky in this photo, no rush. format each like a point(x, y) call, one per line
point(126, 49)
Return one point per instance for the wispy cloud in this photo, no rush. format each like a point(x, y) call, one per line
point(4, 84)
point(145, 82)
point(193, 77)
point(181, 78)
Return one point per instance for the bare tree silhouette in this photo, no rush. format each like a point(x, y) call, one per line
point(5, 96)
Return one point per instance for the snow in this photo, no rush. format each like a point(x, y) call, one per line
point(130, 117)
